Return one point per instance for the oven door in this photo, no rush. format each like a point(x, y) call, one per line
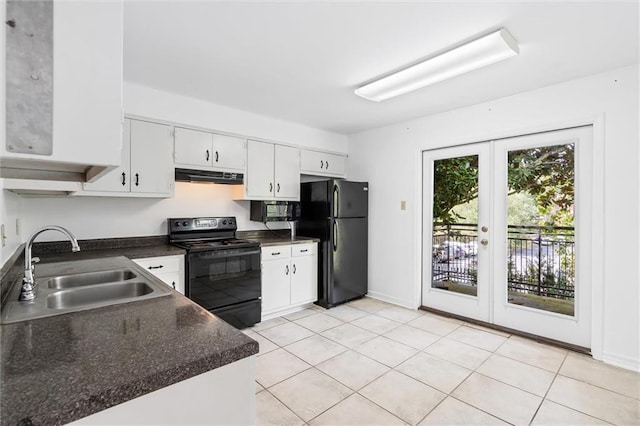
point(223, 278)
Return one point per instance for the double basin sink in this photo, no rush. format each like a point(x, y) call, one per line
point(73, 286)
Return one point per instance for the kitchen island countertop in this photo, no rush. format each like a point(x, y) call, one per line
point(62, 368)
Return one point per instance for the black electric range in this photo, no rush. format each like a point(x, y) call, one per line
point(222, 272)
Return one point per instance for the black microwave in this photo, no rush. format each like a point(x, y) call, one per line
point(274, 211)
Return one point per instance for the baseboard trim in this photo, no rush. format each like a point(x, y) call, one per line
point(621, 361)
point(390, 299)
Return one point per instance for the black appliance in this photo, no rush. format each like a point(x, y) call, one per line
point(222, 272)
point(274, 211)
point(208, 176)
point(335, 211)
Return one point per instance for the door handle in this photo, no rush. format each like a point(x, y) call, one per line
point(217, 156)
point(207, 155)
point(278, 188)
point(335, 236)
point(286, 270)
point(294, 268)
point(321, 164)
point(173, 283)
point(124, 178)
point(270, 186)
point(484, 242)
point(137, 179)
point(326, 165)
point(156, 267)
point(336, 197)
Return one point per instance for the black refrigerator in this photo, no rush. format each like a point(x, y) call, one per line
point(335, 211)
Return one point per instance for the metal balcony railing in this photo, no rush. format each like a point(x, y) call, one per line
point(541, 259)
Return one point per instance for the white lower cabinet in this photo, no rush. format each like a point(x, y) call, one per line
point(170, 269)
point(289, 277)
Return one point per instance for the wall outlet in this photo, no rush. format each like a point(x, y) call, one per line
point(403, 205)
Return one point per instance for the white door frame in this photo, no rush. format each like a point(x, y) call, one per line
point(597, 234)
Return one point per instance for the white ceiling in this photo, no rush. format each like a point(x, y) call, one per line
point(300, 61)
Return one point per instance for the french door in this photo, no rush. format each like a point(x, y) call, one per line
point(507, 231)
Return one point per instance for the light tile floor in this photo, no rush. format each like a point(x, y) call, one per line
point(372, 363)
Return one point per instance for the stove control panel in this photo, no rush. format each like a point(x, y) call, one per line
point(202, 224)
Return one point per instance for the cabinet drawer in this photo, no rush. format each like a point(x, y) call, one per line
point(276, 252)
point(161, 264)
point(303, 249)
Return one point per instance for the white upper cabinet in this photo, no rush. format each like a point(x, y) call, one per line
point(322, 163)
point(192, 147)
point(228, 152)
point(203, 150)
point(260, 169)
point(273, 173)
point(287, 172)
point(87, 91)
point(147, 164)
point(151, 159)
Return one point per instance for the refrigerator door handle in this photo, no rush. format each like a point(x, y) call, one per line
point(336, 198)
point(335, 236)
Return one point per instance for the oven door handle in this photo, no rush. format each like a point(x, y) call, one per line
point(217, 255)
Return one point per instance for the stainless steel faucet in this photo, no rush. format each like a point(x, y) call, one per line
point(28, 291)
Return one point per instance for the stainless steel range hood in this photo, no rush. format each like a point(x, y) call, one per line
point(209, 176)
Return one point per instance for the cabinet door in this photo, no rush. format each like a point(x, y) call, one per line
point(335, 165)
point(151, 160)
point(304, 279)
point(259, 179)
point(322, 163)
point(287, 172)
point(119, 179)
point(276, 284)
point(169, 269)
point(172, 279)
point(228, 152)
point(192, 147)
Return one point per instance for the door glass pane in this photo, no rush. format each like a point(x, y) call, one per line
point(540, 215)
point(455, 218)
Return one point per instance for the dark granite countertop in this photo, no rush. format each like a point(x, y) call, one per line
point(59, 369)
point(133, 248)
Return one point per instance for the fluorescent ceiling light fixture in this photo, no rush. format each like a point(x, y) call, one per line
point(487, 50)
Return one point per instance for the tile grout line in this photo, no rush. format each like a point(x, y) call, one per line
point(544, 398)
point(572, 408)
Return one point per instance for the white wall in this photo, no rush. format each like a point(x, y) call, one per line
point(389, 159)
point(105, 217)
point(152, 103)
